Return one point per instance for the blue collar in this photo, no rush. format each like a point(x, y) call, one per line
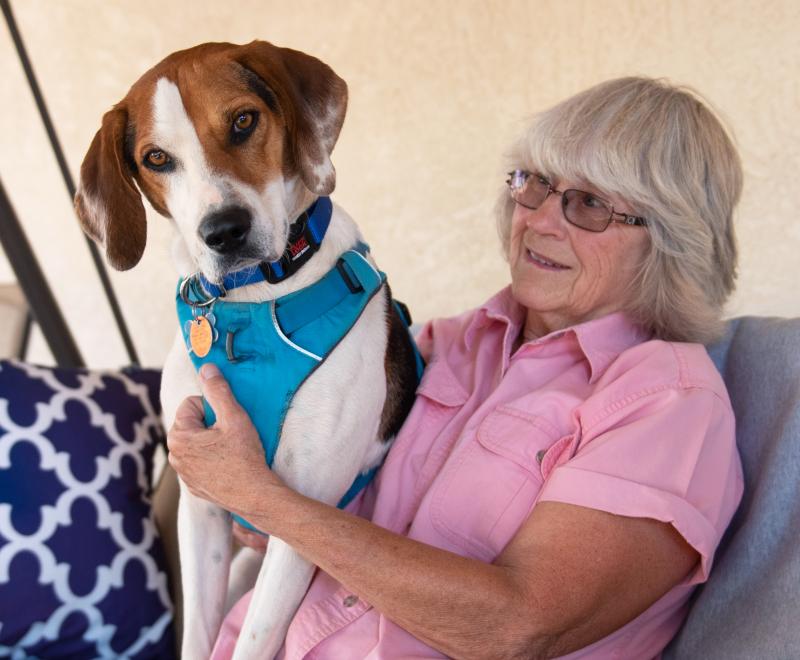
point(305, 237)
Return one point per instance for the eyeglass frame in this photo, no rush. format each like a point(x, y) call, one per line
point(627, 218)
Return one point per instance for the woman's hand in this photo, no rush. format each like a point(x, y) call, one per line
point(252, 540)
point(224, 464)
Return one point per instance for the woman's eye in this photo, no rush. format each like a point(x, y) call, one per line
point(542, 181)
point(591, 201)
point(156, 159)
point(519, 178)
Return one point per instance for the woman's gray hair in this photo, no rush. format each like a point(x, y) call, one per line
point(661, 149)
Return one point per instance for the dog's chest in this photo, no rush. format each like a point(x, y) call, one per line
point(267, 351)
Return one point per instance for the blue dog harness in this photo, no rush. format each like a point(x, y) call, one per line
point(267, 350)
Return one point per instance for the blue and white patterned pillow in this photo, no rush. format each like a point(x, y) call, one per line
point(82, 571)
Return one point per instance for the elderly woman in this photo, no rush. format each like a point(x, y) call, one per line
point(569, 466)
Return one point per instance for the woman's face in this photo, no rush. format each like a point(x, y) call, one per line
point(563, 274)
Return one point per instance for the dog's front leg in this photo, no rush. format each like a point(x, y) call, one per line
point(337, 432)
point(281, 586)
point(204, 530)
point(204, 535)
point(245, 567)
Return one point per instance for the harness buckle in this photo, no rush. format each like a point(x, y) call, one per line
point(348, 276)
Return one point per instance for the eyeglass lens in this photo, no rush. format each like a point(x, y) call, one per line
point(581, 208)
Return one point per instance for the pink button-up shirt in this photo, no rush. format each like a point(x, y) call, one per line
point(595, 416)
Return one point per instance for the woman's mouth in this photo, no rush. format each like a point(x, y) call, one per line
point(543, 262)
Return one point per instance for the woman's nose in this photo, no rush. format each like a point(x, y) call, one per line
point(548, 218)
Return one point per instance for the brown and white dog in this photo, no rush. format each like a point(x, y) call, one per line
point(249, 128)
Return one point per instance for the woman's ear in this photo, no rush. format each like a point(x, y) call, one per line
point(312, 100)
point(108, 203)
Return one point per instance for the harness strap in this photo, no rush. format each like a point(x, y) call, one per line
point(352, 275)
point(406, 317)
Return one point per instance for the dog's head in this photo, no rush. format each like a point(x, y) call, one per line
point(231, 142)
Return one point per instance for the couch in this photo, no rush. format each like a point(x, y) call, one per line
point(748, 609)
point(750, 606)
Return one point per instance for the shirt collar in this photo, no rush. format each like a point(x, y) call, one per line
point(600, 340)
point(603, 340)
point(500, 308)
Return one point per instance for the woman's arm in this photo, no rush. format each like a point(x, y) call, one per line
point(569, 577)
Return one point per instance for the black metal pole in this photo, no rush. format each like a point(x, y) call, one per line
point(26, 335)
point(34, 286)
point(65, 173)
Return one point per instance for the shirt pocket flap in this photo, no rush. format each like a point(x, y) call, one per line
point(559, 453)
point(521, 438)
point(440, 384)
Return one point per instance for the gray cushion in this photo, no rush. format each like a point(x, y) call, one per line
point(750, 607)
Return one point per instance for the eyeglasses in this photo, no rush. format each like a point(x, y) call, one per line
point(582, 209)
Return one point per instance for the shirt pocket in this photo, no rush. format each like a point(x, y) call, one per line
point(486, 491)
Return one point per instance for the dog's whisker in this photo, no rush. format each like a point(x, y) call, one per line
point(243, 275)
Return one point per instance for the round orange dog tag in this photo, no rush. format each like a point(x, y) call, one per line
point(201, 335)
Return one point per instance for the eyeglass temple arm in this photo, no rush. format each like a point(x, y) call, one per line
point(628, 219)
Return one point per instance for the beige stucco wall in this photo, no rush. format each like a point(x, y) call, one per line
point(437, 90)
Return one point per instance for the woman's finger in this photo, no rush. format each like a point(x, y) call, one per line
point(250, 539)
point(189, 414)
point(218, 394)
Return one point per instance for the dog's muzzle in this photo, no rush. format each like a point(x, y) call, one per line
point(226, 231)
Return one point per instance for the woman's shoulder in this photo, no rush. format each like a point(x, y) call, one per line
point(465, 330)
point(439, 332)
point(655, 377)
point(656, 364)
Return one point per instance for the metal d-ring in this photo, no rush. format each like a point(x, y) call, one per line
point(229, 346)
point(184, 294)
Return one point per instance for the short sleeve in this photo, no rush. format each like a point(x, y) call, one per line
point(668, 455)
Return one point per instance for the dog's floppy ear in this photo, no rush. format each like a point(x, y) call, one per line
point(312, 99)
point(107, 202)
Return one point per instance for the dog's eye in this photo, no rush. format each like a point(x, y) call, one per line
point(157, 159)
point(243, 125)
point(243, 121)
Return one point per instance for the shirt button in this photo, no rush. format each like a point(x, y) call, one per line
point(350, 600)
point(540, 455)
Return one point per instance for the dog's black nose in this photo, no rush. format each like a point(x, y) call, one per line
point(225, 231)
